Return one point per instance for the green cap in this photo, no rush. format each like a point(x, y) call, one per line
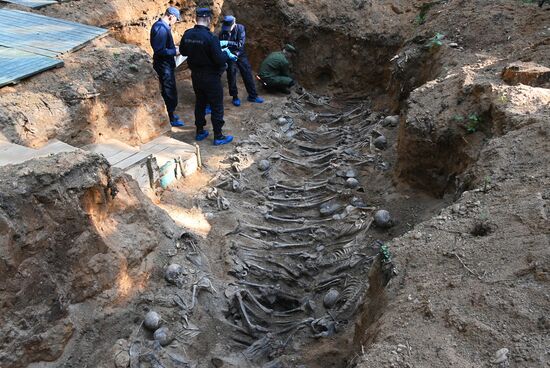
point(288, 47)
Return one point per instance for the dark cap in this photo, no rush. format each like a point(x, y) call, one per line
point(174, 11)
point(228, 21)
point(288, 47)
point(204, 12)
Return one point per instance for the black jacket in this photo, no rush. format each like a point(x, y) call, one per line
point(203, 51)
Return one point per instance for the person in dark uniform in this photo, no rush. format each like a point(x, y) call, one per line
point(207, 62)
point(275, 70)
point(235, 34)
point(164, 53)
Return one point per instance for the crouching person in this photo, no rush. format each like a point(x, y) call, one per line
point(275, 70)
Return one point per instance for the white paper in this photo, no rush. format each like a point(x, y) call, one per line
point(180, 59)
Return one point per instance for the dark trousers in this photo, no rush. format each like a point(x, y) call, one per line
point(279, 83)
point(208, 91)
point(243, 66)
point(167, 79)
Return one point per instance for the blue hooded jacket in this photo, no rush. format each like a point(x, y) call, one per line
point(162, 43)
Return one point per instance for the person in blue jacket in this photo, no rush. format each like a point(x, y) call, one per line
point(164, 53)
point(235, 34)
point(207, 62)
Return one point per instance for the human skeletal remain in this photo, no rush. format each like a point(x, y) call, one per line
point(152, 320)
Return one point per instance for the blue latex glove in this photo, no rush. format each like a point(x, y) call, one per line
point(224, 43)
point(233, 57)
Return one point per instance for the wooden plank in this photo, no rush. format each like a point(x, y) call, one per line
point(132, 160)
point(167, 141)
point(55, 146)
point(16, 154)
point(157, 141)
point(119, 157)
point(16, 65)
point(140, 173)
point(155, 150)
point(110, 148)
point(106, 151)
point(11, 154)
point(167, 155)
point(166, 149)
point(5, 145)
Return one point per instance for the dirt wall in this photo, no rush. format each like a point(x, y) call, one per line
point(130, 22)
point(447, 120)
point(105, 90)
point(342, 48)
point(473, 279)
point(65, 240)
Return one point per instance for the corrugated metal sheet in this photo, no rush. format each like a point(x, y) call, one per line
point(31, 3)
point(29, 31)
point(17, 64)
point(30, 43)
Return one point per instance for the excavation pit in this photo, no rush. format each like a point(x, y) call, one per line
point(288, 268)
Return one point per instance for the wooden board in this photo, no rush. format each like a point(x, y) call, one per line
point(165, 149)
point(55, 146)
point(167, 142)
point(11, 154)
point(159, 151)
point(16, 65)
point(132, 160)
point(43, 35)
point(112, 149)
point(35, 4)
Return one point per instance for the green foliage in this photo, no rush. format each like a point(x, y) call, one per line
point(436, 40)
point(420, 19)
point(474, 122)
point(386, 254)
